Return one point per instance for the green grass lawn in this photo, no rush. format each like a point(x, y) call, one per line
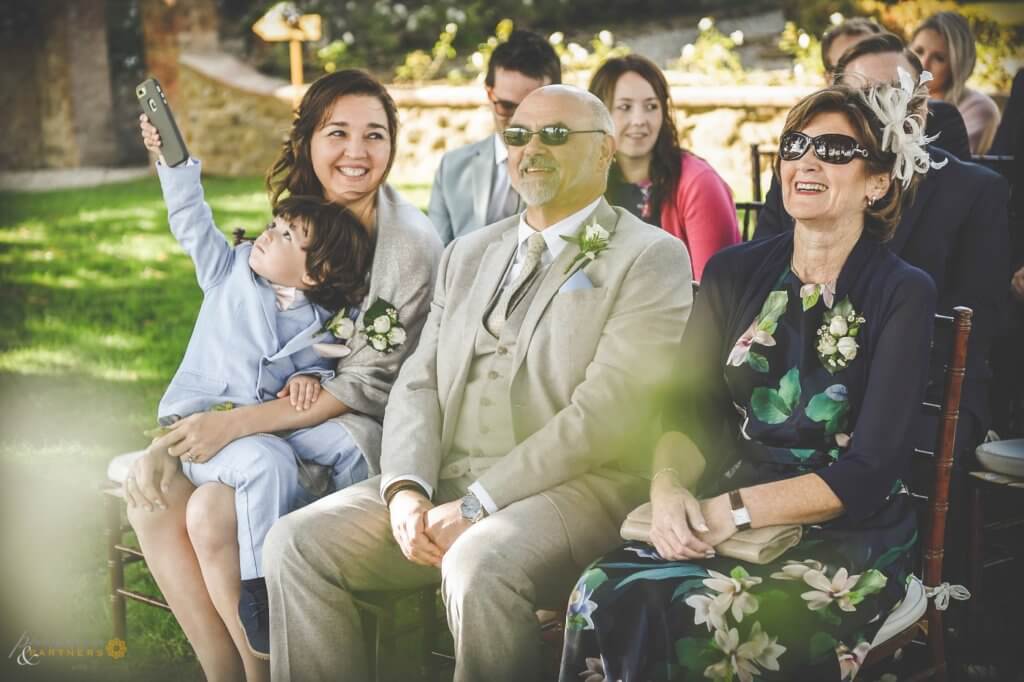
point(96, 305)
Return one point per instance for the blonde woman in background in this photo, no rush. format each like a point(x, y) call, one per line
point(945, 45)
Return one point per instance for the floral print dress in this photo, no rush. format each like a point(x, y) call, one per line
point(778, 379)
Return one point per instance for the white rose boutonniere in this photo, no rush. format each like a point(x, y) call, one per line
point(837, 337)
point(592, 240)
point(384, 332)
point(343, 327)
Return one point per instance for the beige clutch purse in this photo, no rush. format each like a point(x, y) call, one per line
point(756, 546)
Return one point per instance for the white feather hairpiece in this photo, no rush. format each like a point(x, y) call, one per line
point(903, 131)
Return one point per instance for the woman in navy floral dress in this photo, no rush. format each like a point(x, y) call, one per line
point(801, 373)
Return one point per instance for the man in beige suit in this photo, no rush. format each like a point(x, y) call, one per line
point(518, 433)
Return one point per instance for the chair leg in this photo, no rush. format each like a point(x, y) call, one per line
point(976, 562)
point(115, 566)
point(937, 643)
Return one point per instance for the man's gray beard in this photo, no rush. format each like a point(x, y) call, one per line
point(538, 194)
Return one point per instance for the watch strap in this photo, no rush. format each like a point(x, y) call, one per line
point(740, 515)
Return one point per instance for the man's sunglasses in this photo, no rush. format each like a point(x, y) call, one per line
point(518, 136)
point(831, 148)
point(504, 107)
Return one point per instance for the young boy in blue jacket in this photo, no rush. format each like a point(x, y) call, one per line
point(265, 305)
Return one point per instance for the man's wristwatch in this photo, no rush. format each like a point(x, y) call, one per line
point(740, 515)
point(471, 508)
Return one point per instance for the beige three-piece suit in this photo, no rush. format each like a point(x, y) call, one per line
point(554, 417)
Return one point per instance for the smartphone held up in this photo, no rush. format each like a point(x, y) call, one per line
point(154, 105)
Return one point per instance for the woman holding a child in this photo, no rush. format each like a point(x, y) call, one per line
point(801, 370)
point(344, 250)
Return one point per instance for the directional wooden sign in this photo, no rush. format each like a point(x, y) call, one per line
point(278, 26)
point(284, 23)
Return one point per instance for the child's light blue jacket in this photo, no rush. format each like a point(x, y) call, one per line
point(243, 350)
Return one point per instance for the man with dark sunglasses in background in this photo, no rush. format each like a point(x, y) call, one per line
point(471, 187)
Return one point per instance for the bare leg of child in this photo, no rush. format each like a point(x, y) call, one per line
point(212, 526)
point(171, 559)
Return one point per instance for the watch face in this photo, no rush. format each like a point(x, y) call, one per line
point(470, 507)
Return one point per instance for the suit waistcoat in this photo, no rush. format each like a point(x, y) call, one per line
point(484, 430)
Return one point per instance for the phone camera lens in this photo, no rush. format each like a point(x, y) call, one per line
point(152, 105)
point(141, 92)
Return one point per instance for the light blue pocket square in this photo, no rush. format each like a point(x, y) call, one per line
point(579, 280)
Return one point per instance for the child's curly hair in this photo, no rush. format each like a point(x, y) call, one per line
point(339, 253)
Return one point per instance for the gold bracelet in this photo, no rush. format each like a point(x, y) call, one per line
point(666, 470)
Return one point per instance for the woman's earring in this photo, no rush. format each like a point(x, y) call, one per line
point(871, 201)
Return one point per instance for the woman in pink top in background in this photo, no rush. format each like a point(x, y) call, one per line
point(653, 177)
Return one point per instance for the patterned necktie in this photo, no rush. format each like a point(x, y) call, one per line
point(535, 247)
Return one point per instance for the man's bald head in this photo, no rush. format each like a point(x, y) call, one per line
point(555, 179)
point(595, 113)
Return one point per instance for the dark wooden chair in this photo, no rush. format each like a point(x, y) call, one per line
point(920, 616)
point(760, 157)
point(119, 552)
point(748, 210)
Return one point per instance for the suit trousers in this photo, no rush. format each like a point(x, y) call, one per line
point(493, 578)
point(264, 471)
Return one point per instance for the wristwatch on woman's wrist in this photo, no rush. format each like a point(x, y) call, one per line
point(740, 515)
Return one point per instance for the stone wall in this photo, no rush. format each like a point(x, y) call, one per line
point(235, 119)
point(168, 29)
point(58, 110)
point(232, 117)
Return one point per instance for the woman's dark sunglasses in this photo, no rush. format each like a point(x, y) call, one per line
point(831, 148)
point(518, 136)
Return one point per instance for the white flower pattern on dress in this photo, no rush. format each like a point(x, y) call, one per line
point(733, 592)
point(827, 591)
point(794, 570)
point(743, 659)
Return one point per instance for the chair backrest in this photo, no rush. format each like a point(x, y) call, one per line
point(746, 211)
point(760, 157)
point(940, 462)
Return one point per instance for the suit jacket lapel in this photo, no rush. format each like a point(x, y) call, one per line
point(556, 276)
point(491, 269)
point(483, 178)
point(268, 304)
